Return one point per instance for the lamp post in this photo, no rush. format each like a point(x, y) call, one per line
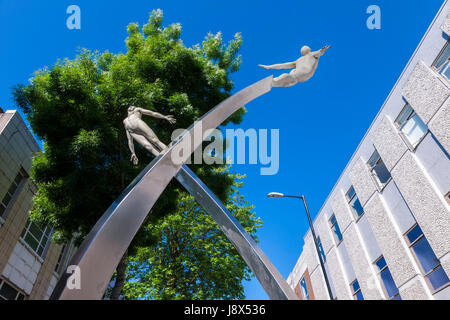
point(277, 195)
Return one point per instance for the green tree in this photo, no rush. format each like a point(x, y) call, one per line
point(193, 259)
point(77, 106)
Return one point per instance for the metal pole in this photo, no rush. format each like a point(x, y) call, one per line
point(311, 226)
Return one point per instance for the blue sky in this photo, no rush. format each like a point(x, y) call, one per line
point(321, 122)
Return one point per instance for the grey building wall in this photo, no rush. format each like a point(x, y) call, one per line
point(415, 194)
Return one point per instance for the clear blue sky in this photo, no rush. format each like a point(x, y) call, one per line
point(321, 122)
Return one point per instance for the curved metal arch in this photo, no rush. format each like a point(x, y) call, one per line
point(102, 249)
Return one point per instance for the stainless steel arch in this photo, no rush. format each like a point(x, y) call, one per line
point(100, 252)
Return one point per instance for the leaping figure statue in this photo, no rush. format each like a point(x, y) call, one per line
point(304, 68)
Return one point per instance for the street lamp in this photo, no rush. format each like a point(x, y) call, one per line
point(277, 195)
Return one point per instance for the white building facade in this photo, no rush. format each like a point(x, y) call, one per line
point(384, 230)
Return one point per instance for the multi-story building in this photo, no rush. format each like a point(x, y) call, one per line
point(30, 264)
point(384, 230)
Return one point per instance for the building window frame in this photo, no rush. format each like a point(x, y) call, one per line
point(444, 65)
point(419, 263)
point(356, 291)
point(374, 161)
point(11, 194)
point(334, 225)
point(380, 278)
point(321, 250)
point(406, 114)
point(20, 295)
point(44, 238)
point(351, 200)
point(304, 288)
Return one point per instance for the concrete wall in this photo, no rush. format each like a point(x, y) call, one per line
point(415, 194)
point(19, 263)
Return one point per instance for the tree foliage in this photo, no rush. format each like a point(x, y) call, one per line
point(77, 106)
point(193, 259)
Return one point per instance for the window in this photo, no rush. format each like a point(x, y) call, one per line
point(322, 253)
point(386, 278)
point(336, 231)
point(442, 63)
point(411, 126)
point(10, 193)
point(378, 169)
point(8, 292)
point(356, 290)
point(304, 289)
point(430, 265)
point(36, 237)
point(354, 203)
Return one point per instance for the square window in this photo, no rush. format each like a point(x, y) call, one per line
point(354, 203)
point(336, 230)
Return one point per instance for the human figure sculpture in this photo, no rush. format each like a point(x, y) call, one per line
point(138, 130)
point(304, 68)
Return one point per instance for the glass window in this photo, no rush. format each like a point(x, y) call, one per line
point(356, 290)
point(354, 202)
point(387, 280)
point(411, 126)
point(442, 63)
point(35, 237)
point(378, 169)
point(304, 289)
point(336, 231)
point(10, 193)
point(430, 264)
point(322, 253)
point(8, 292)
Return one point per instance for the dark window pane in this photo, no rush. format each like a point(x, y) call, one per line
point(304, 289)
point(18, 179)
point(381, 263)
point(6, 199)
point(2, 209)
point(321, 249)
point(333, 219)
point(337, 233)
point(389, 283)
point(359, 296)
point(425, 255)
point(438, 278)
point(404, 115)
point(35, 231)
point(355, 286)
point(350, 193)
point(31, 242)
point(415, 233)
point(382, 173)
point(8, 292)
point(357, 207)
point(12, 189)
point(20, 297)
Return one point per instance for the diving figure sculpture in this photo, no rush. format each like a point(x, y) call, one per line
point(304, 68)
